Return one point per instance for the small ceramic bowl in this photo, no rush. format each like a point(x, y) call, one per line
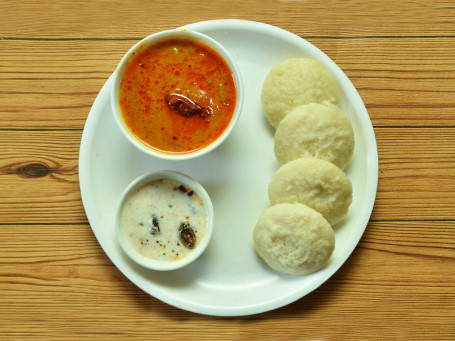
point(153, 40)
point(152, 236)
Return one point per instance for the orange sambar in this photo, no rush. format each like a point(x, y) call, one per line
point(181, 68)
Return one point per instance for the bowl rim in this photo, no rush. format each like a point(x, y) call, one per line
point(186, 180)
point(154, 38)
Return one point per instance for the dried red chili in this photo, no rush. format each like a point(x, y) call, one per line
point(185, 107)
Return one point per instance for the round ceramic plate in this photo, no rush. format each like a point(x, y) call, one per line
point(229, 279)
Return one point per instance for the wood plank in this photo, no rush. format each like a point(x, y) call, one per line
point(416, 172)
point(403, 82)
point(100, 19)
point(53, 84)
point(60, 285)
point(56, 282)
point(39, 173)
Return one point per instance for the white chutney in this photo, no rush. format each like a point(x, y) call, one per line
point(163, 220)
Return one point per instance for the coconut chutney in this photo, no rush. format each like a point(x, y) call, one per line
point(163, 220)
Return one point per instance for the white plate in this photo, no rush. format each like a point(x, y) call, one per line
point(229, 279)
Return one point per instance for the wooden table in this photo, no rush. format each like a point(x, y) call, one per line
point(57, 283)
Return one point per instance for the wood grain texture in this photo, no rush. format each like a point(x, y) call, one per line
point(416, 172)
point(76, 291)
point(56, 282)
point(53, 84)
point(39, 170)
point(135, 18)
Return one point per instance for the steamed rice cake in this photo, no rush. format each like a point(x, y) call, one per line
point(316, 183)
point(315, 130)
point(293, 239)
point(295, 82)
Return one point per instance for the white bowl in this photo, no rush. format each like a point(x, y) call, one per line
point(154, 39)
point(152, 263)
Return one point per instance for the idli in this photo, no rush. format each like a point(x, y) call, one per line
point(293, 239)
point(316, 183)
point(315, 130)
point(295, 82)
